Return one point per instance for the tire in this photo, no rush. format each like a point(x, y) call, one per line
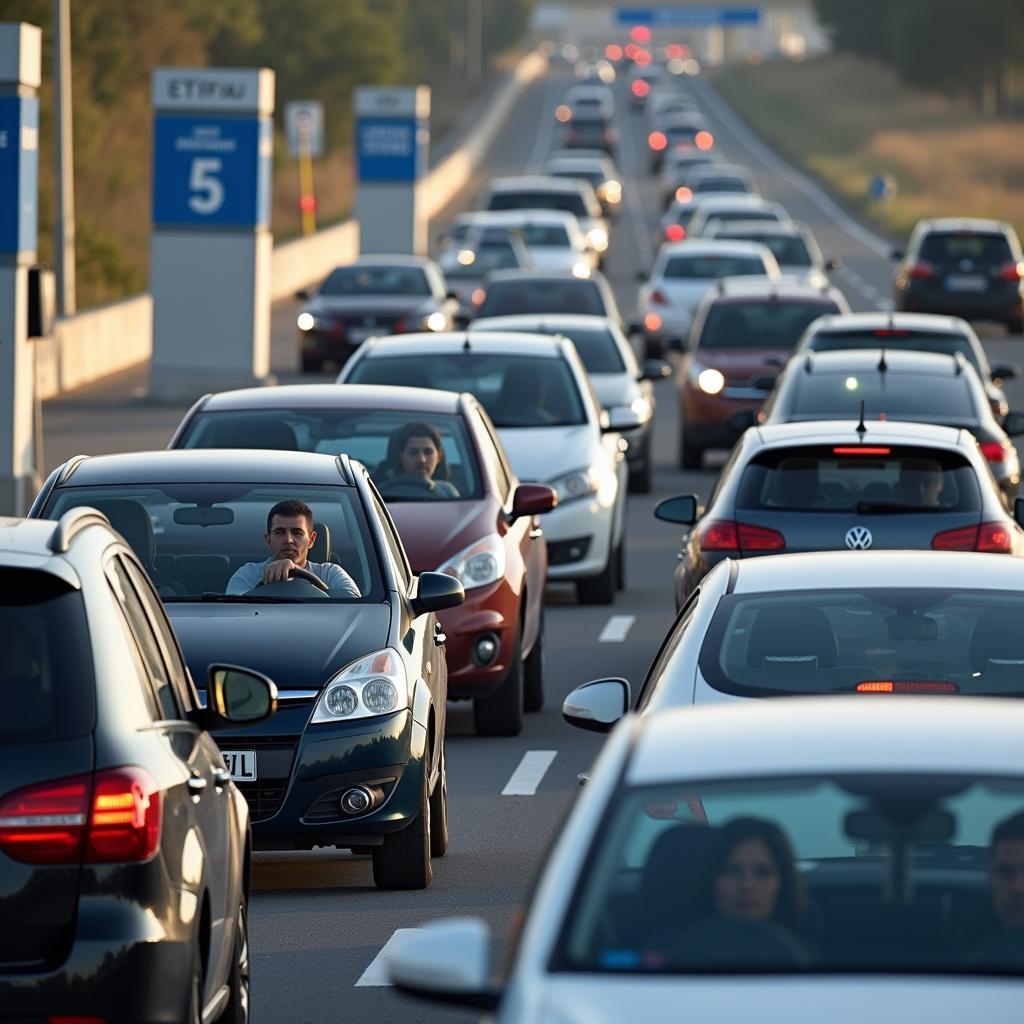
point(439, 812)
point(533, 672)
point(691, 456)
point(237, 1010)
point(640, 481)
point(193, 1010)
point(599, 589)
point(620, 565)
point(402, 861)
point(501, 714)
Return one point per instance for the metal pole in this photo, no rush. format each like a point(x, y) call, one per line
point(474, 40)
point(65, 220)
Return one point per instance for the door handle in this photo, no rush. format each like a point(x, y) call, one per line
point(196, 785)
point(221, 777)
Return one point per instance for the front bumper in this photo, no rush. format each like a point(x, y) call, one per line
point(715, 421)
point(327, 345)
point(579, 536)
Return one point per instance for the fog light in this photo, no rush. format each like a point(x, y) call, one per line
point(486, 649)
point(356, 800)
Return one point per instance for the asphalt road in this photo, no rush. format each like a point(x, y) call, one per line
point(318, 926)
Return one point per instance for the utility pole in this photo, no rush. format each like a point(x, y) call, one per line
point(65, 220)
point(474, 41)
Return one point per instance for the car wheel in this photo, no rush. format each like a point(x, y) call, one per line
point(691, 456)
point(620, 565)
point(640, 480)
point(599, 589)
point(237, 1010)
point(501, 714)
point(533, 672)
point(439, 812)
point(402, 861)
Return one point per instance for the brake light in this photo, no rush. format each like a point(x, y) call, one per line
point(995, 538)
point(759, 538)
point(704, 140)
point(124, 824)
point(906, 686)
point(675, 232)
point(1012, 271)
point(884, 333)
point(45, 824)
point(657, 141)
point(652, 322)
point(684, 194)
point(659, 298)
point(994, 451)
point(478, 296)
point(921, 271)
point(719, 536)
point(725, 535)
point(861, 451)
point(399, 328)
point(640, 88)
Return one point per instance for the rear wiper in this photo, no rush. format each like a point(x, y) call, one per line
point(243, 599)
point(866, 508)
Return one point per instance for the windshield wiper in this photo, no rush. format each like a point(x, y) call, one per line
point(866, 508)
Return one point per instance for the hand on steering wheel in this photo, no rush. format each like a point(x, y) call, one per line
point(409, 482)
point(306, 576)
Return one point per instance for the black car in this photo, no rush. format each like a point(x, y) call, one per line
point(966, 267)
point(516, 292)
point(124, 845)
point(354, 756)
point(373, 295)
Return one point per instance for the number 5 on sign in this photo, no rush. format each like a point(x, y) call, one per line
point(207, 188)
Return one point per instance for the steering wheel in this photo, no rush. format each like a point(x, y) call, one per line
point(408, 486)
point(297, 575)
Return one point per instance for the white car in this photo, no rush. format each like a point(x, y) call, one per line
point(790, 861)
point(793, 246)
point(738, 206)
point(677, 167)
point(675, 222)
point(680, 278)
point(536, 391)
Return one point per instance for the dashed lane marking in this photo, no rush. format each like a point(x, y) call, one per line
point(376, 975)
point(616, 629)
point(532, 769)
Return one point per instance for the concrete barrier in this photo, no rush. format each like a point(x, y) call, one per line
point(105, 340)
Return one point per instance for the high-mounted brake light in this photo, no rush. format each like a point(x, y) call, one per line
point(994, 451)
point(906, 686)
point(861, 451)
point(675, 232)
point(889, 333)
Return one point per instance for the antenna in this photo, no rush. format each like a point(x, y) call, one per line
point(808, 364)
point(861, 428)
point(465, 344)
point(882, 364)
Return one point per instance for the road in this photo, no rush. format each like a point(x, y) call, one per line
point(317, 925)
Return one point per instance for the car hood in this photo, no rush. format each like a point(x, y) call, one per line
point(433, 531)
point(370, 304)
point(300, 646)
point(544, 453)
point(744, 362)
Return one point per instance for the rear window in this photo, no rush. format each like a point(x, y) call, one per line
point(916, 640)
point(597, 349)
point(898, 396)
point(720, 185)
point(759, 324)
point(594, 177)
point(571, 202)
point(47, 684)
point(545, 234)
point(903, 341)
point(729, 215)
point(508, 298)
point(863, 479)
point(708, 267)
point(471, 264)
point(788, 250)
point(953, 248)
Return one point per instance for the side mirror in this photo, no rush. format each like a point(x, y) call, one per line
point(302, 293)
point(451, 295)
point(619, 419)
point(897, 254)
point(1005, 371)
point(681, 508)
point(239, 696)
point(436, 591)
point(446, 962)
point(656, 369)
point(1018, 511)
point(533, 500)
point(642, 275)
point(1013, 424)
point(596, 706)
point(833, 263)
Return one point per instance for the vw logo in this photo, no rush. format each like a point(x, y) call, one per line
point(858, 538)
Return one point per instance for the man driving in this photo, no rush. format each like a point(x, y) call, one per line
point(1006, 871)
point(289, 536)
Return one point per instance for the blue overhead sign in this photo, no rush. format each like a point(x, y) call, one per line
point(390, 148)
point(688, 17)
point(19, 173)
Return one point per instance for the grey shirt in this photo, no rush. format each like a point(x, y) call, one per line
point(251, 575)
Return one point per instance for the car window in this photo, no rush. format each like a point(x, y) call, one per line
point(372, 280)
point(393, 544)
point(788, 250)
point(537, 295)
point(900, 340)
point(762, 324)
point(884, 873)
point(493, 453)
point(597, 348)
point(720, 185)
point(546, 234)
point(901, 396)
point(571, 202)
point(659, 675)
point(951, 249)
point(473, 263)
point(706, 267)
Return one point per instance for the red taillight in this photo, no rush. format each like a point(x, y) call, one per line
point(45, 824)
point(684, 194)
point(906, 686)
point(719, 536)
point(994, 451)
point(704, 140)
point(675, 232)
point(640, 88)
point(400, 327)
point(961, 539)
point(861, 451)
point(995, 538)
point(657, 141)
point(124, 823)
point(1012, 271)
point(921, 271)
point(724, 535)
point(652, 322)
point(883, 333)
point(760, 538)
point(659, 298)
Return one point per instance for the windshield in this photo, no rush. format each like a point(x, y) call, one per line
point(193, 537)
point(556, 235)
point(375, 437)
point(868, 640)
point(569, 295)
point(597, 349)
point(897, 396)
point(571, 202)
point(788, 250)
point(850, 873)
point(376, 281)
point(902, 341)
point(516, 391)
point(475, 263)
point(768, 324)
point(595, 177)
point(709, 266)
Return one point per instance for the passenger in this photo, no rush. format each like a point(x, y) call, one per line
point(1006, 886)
point(289, 536)
point(921, 483)
point(416, 457)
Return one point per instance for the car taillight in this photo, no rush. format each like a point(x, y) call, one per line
point(659, 298)
point(652, 322)
point(725, 535)
point(124, 821)
point(994, 451)
point(1012, 271)
point(995, 538)
point(719, 536)
point(46, 824)
point(640, 88)
point(759, 538)
point(906, 686)
point(399, 328)
point(675, 232)
point(921, 271)
point(657, 141)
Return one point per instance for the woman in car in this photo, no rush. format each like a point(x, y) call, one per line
point(415, 464)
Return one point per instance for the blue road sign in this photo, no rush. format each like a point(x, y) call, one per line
point(688, 17)
point(19, 173)
point(390, 148)
point(882, 186)
point(211, 170)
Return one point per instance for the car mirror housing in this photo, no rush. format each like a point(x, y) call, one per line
point(596, 706)
point(303, 294)
point(1013, 424)
point(618, 419)
point(533, 500)
point(436, 591)
point(682, 508)
point(833, 263)
point(446, 962)
point(1004, 371)
point(239, 696)
point(897, 254)
point(655, 369)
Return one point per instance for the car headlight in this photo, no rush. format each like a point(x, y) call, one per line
point(376, 684)
point(581, 269)
point(481, 563)
point(437, 321)
point(611, 192)
point(597, 239)
point(580, 483)
point(710, 381)
point(306, 322)
point(642, 408)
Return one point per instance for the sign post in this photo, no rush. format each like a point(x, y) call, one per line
point(392, 135)
point(211, 246)
point(20, 75)
point(304, 127)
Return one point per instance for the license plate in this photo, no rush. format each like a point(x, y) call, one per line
point(966, 283)
point(241, 764)
point(360, 334)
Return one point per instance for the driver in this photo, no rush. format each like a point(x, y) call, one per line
point(921, 483)
point(416, 455)
point(289, 536)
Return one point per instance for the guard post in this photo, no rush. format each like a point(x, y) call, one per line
point(20, 75)
point(211, 247)
point(392, 136)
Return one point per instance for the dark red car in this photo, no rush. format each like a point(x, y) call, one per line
point(470, 518)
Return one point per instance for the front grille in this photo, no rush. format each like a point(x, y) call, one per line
point(263, 798)
point(565, 552)
point(274, 757)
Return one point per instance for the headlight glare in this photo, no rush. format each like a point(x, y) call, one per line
point(436, 322)
point(306, 322)
point(598, 239)
point(481, 563)
point(711, 382)
point(375, 684)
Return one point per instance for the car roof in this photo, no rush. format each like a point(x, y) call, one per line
point(577, 161)
point(737, 200)
point(984, 224)
point(845, 432)
point(338, 396)
point(878, 320)
point(861, 360)
point(705, 246)
point(20, 537)
point(792, 736)
point(768, 228)
point(197, 465)
point(534, 274)
point(716, 170)
point(533, 183)
point(388, 260)
point(493, 218)
point(543, 322)
point(784, 289)
point(485, 343)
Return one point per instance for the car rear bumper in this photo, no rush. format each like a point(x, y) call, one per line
point(1001, 304)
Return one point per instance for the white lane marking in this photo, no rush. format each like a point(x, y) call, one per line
point(545, 133)
point(527, 777)
point(616, 629)
point(377, 973)
point(800, 181)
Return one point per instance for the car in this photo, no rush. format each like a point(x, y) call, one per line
point(924, 386)
point(743, 332)
point(591, 98)
point(483, 530)
point(724, 207)
point(596, 70)
point(599, 171)
point(967, 267)
point(674, 223)
point(370, 295)
point(542, 192)
point(796, 859)
point(823, 485)
point(676, 168)
point(720, 178)
point(619, 381)
point(589, 130)
point(677, 131)
point(517, 292)
point(680, 278)
point(124, 845)
point(354, 756)
point(918, 332)
point(642, 78)
point(467, 268)
point(792, 244)
point(665, 101)
point(536, 391)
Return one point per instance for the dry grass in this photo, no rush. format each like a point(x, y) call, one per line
point(848, 120)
